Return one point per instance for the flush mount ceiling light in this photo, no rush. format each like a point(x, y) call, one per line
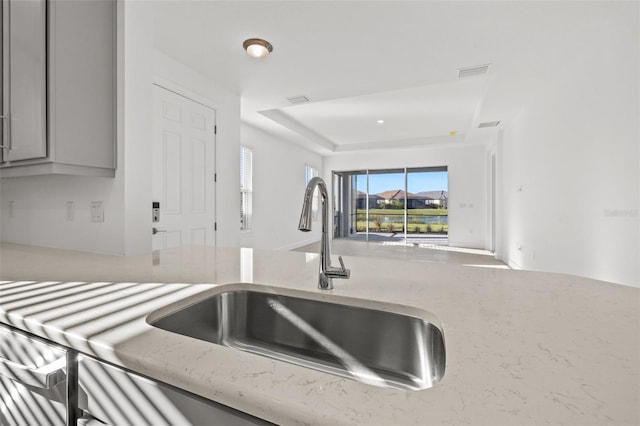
point(380, 121)
point(257, 47)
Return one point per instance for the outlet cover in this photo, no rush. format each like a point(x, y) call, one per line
point(71, 214)
point(97, 211)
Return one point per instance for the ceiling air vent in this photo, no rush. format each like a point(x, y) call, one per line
point(298, 99)
point(488, 124)
point(473, 71)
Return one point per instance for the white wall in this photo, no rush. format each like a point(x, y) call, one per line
point(138, 126)
point(40, 212)
point(570, 161)
point(40, 209)
point(179, 78)
point(467, 182)
point(40, 202)
point(278, 189)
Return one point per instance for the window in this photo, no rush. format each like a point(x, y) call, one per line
point(246, 187)
point(311, 172)
point(409, 204)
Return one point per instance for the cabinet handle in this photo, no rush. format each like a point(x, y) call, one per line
point(8, 146)
point(41, 377)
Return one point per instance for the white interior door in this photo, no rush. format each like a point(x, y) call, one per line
point(183, 171)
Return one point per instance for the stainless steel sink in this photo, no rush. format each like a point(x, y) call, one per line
point(391, 346)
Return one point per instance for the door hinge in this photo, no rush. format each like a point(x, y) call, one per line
point(215, 226)
point(215, 177)
point(215, 130)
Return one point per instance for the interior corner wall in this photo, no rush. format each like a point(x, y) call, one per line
point(570, 161)
point(138, 125)
point(278, 189)
point(467, 170)
point(188, 82)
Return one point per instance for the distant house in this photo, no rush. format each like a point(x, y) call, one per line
point(361, 200)
point(421, 200)
point(391, 195)
point(444, 200)
point(439, 198)
point(414, 201)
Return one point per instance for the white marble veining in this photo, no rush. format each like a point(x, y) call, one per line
point(522, 347)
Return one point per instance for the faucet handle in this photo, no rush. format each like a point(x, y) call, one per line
point(341, 263)
point(345, 273)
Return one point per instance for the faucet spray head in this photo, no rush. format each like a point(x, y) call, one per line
point(305, 217)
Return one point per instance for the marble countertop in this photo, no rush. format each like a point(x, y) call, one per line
point(523, 348)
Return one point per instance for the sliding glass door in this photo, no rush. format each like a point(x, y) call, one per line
point(427, 209)
point(386, 203)
point(407, 205)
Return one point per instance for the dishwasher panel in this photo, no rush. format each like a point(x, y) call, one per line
point(33, 382)
point(118, 397)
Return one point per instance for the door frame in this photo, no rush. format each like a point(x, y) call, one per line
point(207, 103)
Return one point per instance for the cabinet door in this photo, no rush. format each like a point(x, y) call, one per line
point(24, 78)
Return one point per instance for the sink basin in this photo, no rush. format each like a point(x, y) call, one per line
point(376, 343)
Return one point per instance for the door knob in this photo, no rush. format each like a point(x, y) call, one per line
point(154, 231)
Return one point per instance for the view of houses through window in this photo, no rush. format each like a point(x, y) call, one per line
point(396, 204)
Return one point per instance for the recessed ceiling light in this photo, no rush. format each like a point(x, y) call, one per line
point(380, 121)
point(257, 47)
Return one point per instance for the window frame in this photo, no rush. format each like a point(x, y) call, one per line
point(246, 188)
point(309, 173)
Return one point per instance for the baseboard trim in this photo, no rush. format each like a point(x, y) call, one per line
point(513, 265)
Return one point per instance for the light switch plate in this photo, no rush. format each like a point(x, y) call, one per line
point(97, 211)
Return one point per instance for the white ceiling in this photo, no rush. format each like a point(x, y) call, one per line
point(361, 61)
point(423, 112)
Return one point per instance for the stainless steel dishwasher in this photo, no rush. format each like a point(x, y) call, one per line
point(33, 381)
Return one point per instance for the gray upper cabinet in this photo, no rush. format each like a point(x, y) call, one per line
point(25, 46)
point(59, 87)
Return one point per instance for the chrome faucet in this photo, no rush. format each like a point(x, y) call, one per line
point(327, 272)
